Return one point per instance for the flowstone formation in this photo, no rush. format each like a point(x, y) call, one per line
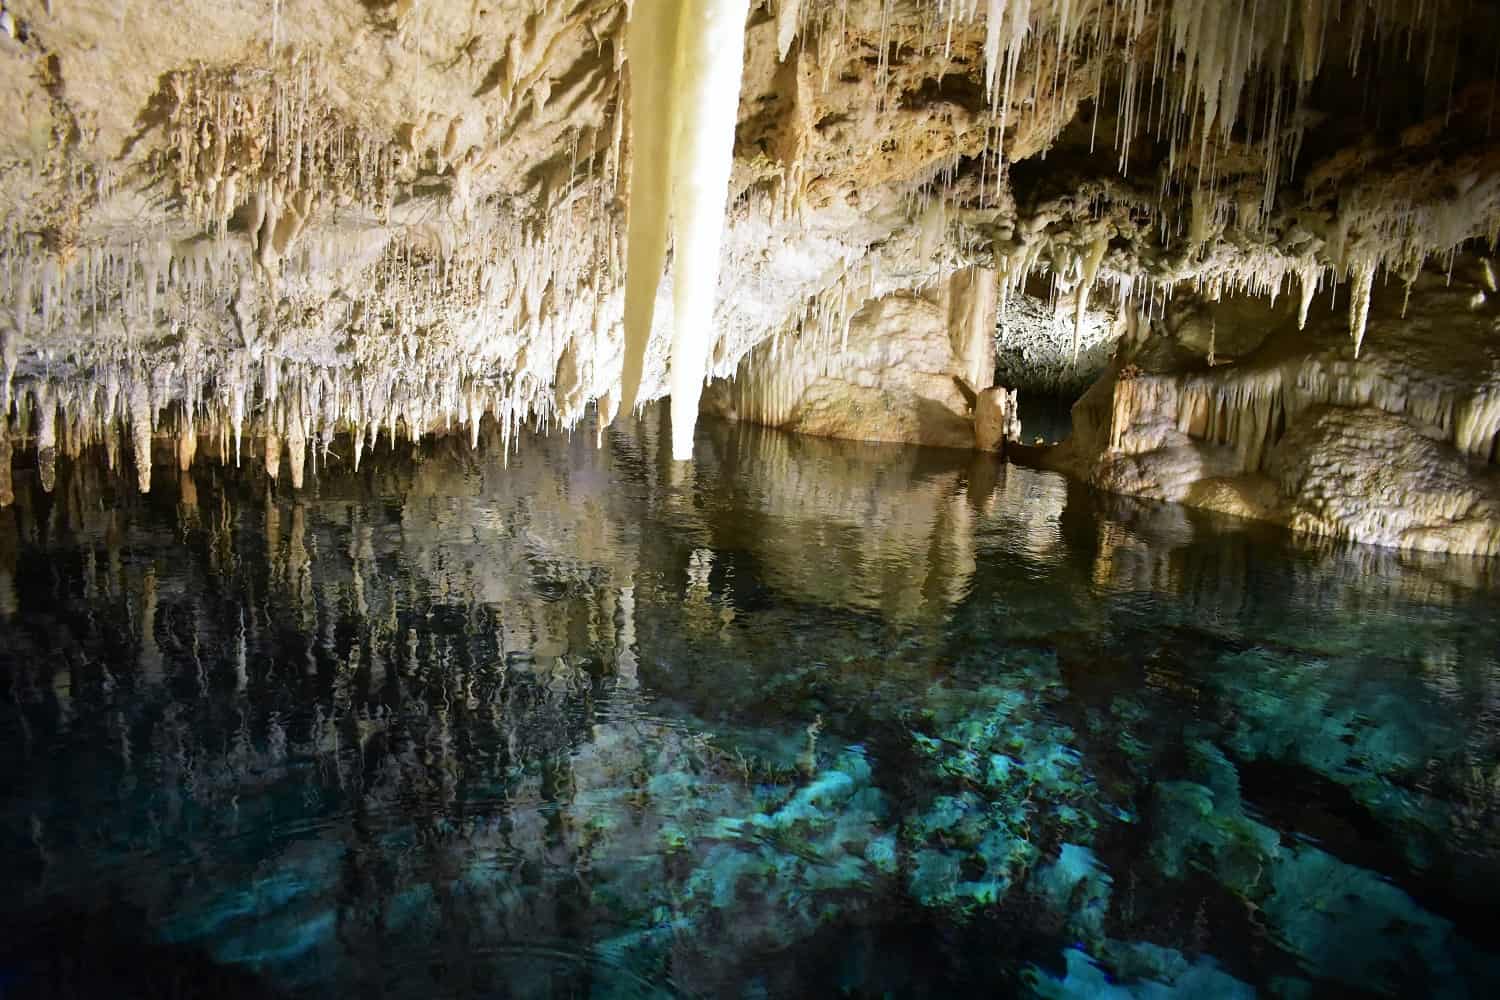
point(1395, 446)
point(299, 229)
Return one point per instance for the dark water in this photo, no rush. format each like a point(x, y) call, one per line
point(806, 718)
point(1047, 417)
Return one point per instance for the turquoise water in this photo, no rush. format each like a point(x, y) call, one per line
point(804, 718)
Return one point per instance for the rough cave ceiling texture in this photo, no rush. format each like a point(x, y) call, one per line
point(275, 221)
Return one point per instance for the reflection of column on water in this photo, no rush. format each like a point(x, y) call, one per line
point(241, 656)
point(626, 662)
point(299, 579)
point(273, 537)
point(150, 658)
point(823, 522)
point(1026, 510)
point(983, 475)
point(10, 601)
point(187, 500)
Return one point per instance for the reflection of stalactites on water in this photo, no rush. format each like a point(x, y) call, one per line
point(1208, 562)
point(361, 559)
point(815, 514)
point(7, 483)
point(626, 660)
point(299, 570)
point(187, 501)
point(10, 602)
point(149, 658)
point(273, 537)
point(241, 657)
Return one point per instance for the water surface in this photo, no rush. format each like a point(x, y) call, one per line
point(804, 718)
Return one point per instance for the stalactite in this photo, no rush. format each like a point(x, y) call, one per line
point(788, 16)
point(1359, 301)
point(1307, 277)
point(1090, 273)
point(686, 61)
point(651, 40)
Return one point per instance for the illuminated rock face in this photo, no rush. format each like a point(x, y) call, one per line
point(907, 368)
point(1397, 446)
point(371, 218)
point(896, 376)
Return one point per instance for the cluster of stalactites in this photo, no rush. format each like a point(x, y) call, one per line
point(273, 143)
point(529, 308)
point(1185, 73)
point(285, 414)
point(545, 297)
point(1386, 225)
point(1248, 409)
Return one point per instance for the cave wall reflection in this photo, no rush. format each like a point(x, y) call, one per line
point(452, 668)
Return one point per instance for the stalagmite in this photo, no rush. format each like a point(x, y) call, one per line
point(45, 415)
point(187, 441)
point(296, 445)
point(140, 428)
point(686, 62)
point(273, 453)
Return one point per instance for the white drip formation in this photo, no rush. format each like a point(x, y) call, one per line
point(423, 315)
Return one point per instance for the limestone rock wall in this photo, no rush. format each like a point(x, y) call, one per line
point(1398, 447)
point(909, 368)
point(237, 223)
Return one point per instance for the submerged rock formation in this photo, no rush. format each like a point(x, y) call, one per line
point(258, 223)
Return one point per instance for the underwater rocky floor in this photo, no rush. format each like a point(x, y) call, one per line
point(804, 717)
